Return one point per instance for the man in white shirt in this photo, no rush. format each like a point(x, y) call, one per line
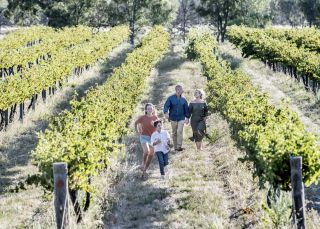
point(160, 140)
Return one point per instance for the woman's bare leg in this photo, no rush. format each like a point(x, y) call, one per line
point(145, 150)
point(199, 145)
point(149, 157)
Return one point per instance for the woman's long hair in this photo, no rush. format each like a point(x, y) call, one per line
point(154, 111)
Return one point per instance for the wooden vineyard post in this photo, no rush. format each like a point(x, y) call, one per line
point(60, 176)
point(297, 192)
point(34, 99)
point(21, 111)
point(6, 118)
point(44, 95)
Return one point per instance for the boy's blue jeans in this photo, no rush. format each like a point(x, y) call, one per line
point(163, 160)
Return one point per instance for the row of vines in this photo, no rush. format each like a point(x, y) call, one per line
point(269, 135)
point(88, 135)
point(282, 51)
point(17, 89)
point(24, 37)
point(15, 61)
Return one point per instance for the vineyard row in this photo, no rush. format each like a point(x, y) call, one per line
point(279, 54)
point(88, 135)
point(16, 90)
point(15, 61)
point(269, 134)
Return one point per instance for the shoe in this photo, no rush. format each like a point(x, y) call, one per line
point(162, 177)
point(144, 175)
point(179, 149)
point(165, 170)
point(141, 167)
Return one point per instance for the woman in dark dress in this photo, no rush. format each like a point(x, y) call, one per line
point(198, 109)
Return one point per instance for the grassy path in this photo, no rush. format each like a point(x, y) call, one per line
point(204, 190)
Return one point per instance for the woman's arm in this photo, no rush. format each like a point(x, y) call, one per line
point(205, 112)
point(138, 126)
point(190, 109)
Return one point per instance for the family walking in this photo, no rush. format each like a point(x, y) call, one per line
point(153, 137)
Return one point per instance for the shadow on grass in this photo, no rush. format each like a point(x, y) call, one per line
point(18, 151)
point(234, 61)
point(312, 195)
point(138, 202)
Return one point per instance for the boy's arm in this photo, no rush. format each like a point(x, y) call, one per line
point(153, 140)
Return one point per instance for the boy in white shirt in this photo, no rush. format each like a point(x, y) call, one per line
point(160, 140)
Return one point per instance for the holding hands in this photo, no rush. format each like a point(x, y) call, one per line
point(166, 115)
point(157, 141)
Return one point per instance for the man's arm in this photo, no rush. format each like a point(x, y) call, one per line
point(166, 107)
point(168, 137)
point(186, 111)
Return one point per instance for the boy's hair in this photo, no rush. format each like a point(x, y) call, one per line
point(156, 122)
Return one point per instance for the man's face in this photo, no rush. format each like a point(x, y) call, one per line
point(179, 91)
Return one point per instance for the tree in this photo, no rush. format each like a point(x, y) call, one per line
point(137, 10)
point(311, 10)
point(25, 12)
point(133, 11)
point(287, 12)
point(220, 12)
point(159, 12)
point(59, 12)
point(254, 13)
point(104, 13)
point(3, 6)
point(96, 13)
point(186, 15)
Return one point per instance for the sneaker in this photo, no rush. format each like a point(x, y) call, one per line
point(180, 149)
point(144, 175)
point(141, 167)
point(165, 169)
point(162, 177)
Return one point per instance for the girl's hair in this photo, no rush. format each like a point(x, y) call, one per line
point(153, 108)
point(202, 94)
